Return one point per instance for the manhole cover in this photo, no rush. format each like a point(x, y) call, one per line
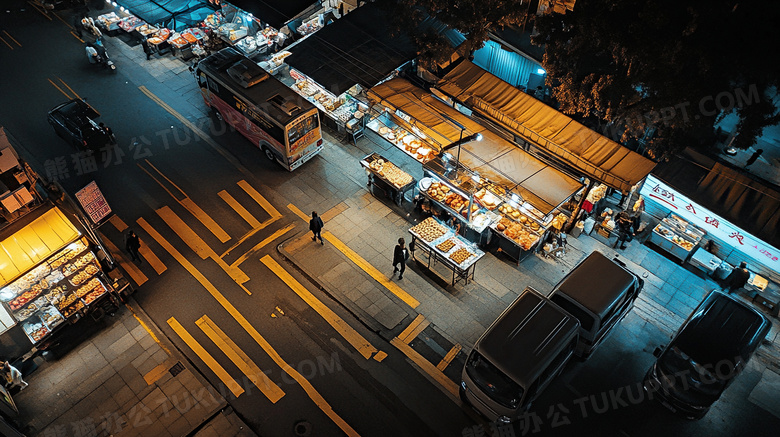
point(302, 428)
point(176, 369)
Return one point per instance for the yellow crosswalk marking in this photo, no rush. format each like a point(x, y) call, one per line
point(118, 223)
point(371, 270)
point(445, 383)
point(246, 215)
point(414, 329)
point(259, 199)
point(298, 212)
point(135, 273)
point(193, 240)
point(240, 359)
point(206, 219)
point(362, 345)
point(304, 383)
point(262, 244)
point(206, 357)
point(449, 357)
point(151, 258)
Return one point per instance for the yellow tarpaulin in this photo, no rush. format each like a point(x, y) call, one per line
point(34, 243)
point(590, 152)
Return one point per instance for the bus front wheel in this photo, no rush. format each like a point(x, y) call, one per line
point(269, 154)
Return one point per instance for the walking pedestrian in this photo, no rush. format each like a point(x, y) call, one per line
point(77, 26)
point(12, 377)
point(625, 226)
point(315, 226)
point(147, 49)
point(400, 255)
point(132, 244)
point(737, 278)
point(754, 157)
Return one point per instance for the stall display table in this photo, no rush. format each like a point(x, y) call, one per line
point(676, 236)
point(705, 261)
point(442, 245)
point(387, 177)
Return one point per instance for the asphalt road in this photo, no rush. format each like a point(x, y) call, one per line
point(44, 66)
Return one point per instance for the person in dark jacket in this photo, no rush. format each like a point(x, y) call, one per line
point(315, 226)
point(132, 244)
point(400, 255)
point(737, 278)
point(625, 227)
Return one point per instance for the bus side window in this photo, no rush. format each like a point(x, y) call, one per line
point(202, 80)
point(213, 86)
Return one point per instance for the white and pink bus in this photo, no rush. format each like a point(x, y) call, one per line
point(273, 117)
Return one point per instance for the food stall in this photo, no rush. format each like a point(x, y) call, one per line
point(489, 184)
point(109, 23)
point(443, 246)
point(55, 277)
point(387, 177)
point(677, 236)
point(340, 109)
point(244, 31)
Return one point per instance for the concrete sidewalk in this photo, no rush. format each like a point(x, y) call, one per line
point(126, 380)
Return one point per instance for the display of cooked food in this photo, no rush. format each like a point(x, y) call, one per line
point(25, 313)
point(390, 172)
point(474, 209)
point(51, 317)
point(517, 232)
point(511, 212)
point(429, 229)
point(39, 333)
point(438, 191)
point(80, 278)
point(455, 201)
point(559, 221)
point(446, 245)
point(26, 297)
point(461, 255)
point(91, 269)
point(69, 299)
point(94, 294)
point(69, 311)
point(685, 244)
point(487, 198)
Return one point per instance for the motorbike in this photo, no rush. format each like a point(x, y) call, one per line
point(96, 53)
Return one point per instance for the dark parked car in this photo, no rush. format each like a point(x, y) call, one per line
point(708, 352)
point(78, 124)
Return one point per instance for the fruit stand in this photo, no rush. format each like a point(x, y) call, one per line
point(443, 246)
point(387, 177)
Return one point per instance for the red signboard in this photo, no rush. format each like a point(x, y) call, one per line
point(93, 202)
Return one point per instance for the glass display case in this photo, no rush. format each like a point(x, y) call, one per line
point(678, 237)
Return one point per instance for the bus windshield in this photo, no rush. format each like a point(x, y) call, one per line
point(298, 130)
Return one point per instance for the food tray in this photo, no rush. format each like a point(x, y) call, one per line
point(429, 230)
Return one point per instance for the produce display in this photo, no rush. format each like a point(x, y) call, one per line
point(429, 229)
point(461, 255)
point(391, 172)
point(517, 232)
point(446, 245)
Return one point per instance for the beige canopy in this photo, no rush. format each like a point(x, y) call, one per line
point(493, 158)
point(588, 151)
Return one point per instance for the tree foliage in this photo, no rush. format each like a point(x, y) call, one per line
point(674, 66)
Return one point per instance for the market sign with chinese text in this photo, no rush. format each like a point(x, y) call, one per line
point(751, 246)
point(93, 202)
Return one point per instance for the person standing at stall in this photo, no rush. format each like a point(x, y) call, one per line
point(625, 226)
point(737, 278)
point(400, 255)
point(315, 226)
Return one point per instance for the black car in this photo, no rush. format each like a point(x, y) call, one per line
point(708, 352)
point(78, 124)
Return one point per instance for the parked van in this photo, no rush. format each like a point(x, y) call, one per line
point(708, 352)
point(599, 292)
point(517, 357)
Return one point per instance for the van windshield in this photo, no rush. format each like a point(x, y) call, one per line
point(493, 382)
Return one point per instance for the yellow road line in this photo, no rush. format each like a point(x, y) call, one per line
point(246, 236)
point(298, 212)
point(305, 384)
point(259, 199)
point(371, 270)
point(151, 258)
point(449, 357)
point(185, 232)
point(69, 88)
point(206, 357)
point(76, 36)
point(6, 43)
point(39, 10)
point(206, 219)
point(262, 244)
point(63, 21)
point(149, 330)
point(240, 359)
point(197, 244)
point(246, 215)
point(118, 223)
point(445, 384)
point(414, 329)
point(363, 346)
point(166, 178)
point(12, 38)
point(135, 273)
point(58, 88)
point(155, 374)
